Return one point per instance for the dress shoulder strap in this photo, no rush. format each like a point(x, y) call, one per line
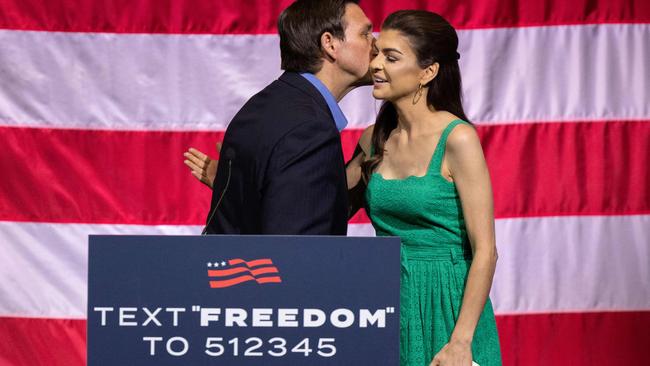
point(439, 152)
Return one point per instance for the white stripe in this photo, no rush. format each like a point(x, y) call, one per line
point(561, 73)
point(43, 272)
point(578, 263)
point(198, 82)
point(44, 265)
point(361, 230)
point(545, 265)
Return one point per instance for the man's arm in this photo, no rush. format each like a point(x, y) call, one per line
point(356, 185)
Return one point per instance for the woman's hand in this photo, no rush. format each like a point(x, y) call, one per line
point(454, 353)
point(201, 165)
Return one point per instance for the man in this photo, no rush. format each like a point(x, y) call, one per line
point(282, 168)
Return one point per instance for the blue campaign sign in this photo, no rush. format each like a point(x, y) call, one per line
point(243, 300)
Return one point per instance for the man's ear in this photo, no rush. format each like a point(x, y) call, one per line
point(328, 43)
point(429, 73)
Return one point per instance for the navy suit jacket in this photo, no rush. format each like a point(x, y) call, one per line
point(283, 165)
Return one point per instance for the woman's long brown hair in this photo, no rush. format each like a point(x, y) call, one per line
point(434, 40)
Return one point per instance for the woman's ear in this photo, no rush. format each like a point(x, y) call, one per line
point(429, 73)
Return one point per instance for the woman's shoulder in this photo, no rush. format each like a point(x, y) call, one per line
point(462, 136)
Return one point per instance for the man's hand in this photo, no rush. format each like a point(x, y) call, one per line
point(201, 165)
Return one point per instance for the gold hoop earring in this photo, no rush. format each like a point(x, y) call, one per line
point(418, 94)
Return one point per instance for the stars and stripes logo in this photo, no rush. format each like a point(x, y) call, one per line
point(235, 271)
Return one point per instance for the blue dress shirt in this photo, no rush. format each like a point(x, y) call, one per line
point(337, 113)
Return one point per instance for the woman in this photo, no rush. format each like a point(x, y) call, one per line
point(426, 181)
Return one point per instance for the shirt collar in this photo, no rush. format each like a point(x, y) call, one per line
point(337, 113)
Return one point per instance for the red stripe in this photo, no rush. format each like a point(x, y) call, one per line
point(254, 263)
point(242, 279)
point(226, 272)
point(265, 270)
point(615, 338)
point(274, 279)
point(129, 177)
point(231, 282)
point(580, 339)
point(42, 342)
point(548, 169)
point(232, 271)
point(260, 16)
point(476, 14)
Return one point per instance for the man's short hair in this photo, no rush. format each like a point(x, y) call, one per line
point(302, 24)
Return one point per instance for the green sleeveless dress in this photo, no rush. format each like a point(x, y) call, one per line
point(425, 212)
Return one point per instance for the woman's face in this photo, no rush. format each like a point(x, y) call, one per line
point(396, 73)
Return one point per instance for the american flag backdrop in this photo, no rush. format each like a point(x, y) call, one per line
point(100, 98)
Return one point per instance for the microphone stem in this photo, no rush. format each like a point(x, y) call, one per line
point(223, 193)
